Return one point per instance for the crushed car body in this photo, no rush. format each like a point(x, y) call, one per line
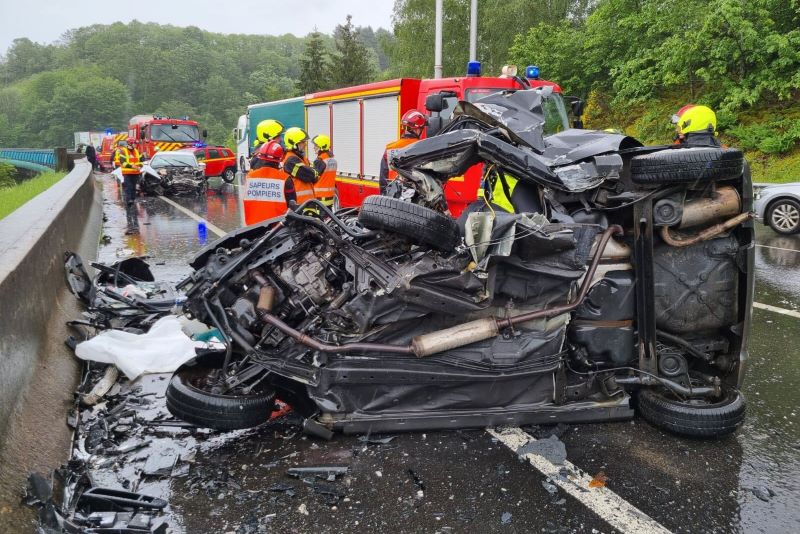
point(621, 271)
point(175, 173)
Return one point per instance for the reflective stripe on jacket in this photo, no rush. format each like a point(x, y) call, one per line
point(500, 193)
point(325, 189)
point(264, 196)
point(129, 160)
point(298, 173)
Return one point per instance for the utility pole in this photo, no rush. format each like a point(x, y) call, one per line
point(473, 30)
point(437, 54)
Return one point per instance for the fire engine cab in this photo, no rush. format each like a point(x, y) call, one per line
point(153, 133)
point(361, 120)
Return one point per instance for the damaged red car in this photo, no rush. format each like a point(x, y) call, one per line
point(621, 281)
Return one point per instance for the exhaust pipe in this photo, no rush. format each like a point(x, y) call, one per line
point(448, 338)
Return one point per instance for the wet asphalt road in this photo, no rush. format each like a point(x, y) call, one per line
point(466, 481)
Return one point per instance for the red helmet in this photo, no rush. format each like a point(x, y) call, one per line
point(270, 151)
point(413, 120)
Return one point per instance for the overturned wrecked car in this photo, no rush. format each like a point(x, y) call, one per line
point(173, 173)
point(623, 279)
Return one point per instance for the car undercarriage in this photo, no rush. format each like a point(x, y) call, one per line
point(623, 279)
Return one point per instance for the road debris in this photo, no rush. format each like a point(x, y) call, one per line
point(550, 448)
point(599, 480)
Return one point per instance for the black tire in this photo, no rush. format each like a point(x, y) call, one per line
point(698, 419)
point(687, 165)
point(229, 175)
point(418, 223)
point(188, 402)
point(783, 216)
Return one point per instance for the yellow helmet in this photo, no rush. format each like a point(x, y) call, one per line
point(293, 137)
point(695, 119)
point(268, 130)
point(322, 141)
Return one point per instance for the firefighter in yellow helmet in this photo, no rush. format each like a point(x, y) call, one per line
point(266, 131)
point(326, 166)
point(300, 175)
point(695, 126)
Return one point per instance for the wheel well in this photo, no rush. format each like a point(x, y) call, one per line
point(777, 199)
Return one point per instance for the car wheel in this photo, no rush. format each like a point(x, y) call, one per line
point(189, 399)
point(418, 223)
point(784, 216)
point(229, 175)
point(702, 418)
point(687, 165)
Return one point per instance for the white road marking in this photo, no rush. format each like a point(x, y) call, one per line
point(217, 230)
point(612, 508)
point(778, 248)
point(775, 309)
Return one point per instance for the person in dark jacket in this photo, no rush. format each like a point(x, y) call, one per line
point(91, 156)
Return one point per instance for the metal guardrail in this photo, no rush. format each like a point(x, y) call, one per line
point(27, 165)
point(40, 156)
point(59, 158)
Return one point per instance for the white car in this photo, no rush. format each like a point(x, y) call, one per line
point(778, 206)
point(173, 173)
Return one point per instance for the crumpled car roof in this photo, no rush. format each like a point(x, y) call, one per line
point(507, 129)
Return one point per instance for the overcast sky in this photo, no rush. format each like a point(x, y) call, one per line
point(44, 21)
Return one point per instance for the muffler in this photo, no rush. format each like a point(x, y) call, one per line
point(454, 337)
point(726, 203)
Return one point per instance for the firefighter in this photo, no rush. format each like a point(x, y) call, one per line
point(326, 166)
point(130, 160)
point(501, 190)
point(411, 125)
point(300, 176)
point(266, 131)
point(264, 196)
point(695, 126)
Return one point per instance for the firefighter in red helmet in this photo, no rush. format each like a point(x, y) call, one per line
point(412, 125)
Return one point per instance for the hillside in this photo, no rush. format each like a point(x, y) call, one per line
point(634, 61)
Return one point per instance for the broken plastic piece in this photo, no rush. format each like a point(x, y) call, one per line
point(599, 480)
point(107, 499)
point(320, 471)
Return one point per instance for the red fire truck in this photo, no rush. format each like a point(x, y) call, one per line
point(361, 120)
point(107, 148)
point(153, 133)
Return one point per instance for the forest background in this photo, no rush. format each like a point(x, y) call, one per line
point(635, 62)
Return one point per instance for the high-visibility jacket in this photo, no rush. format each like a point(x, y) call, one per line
point(500, 190)
point(387, 174)
point(326, 166)
point(300, 177)
point(264, 196)
point(129, 159)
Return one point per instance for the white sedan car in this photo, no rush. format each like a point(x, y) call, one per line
point(778, 206)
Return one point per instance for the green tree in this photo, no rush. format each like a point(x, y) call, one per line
point(314, 65)
point(350, 65)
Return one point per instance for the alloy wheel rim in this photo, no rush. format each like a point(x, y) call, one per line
point(785, 216)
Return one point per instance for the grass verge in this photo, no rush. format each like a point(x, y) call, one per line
point(15, 196)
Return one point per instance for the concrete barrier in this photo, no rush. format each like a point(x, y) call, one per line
point(37, 373)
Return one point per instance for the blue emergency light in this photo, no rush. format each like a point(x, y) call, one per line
point(109, 131)
point(532, 72)
point(474, 68)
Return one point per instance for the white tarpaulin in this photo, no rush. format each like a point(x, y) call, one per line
point(161, 350)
